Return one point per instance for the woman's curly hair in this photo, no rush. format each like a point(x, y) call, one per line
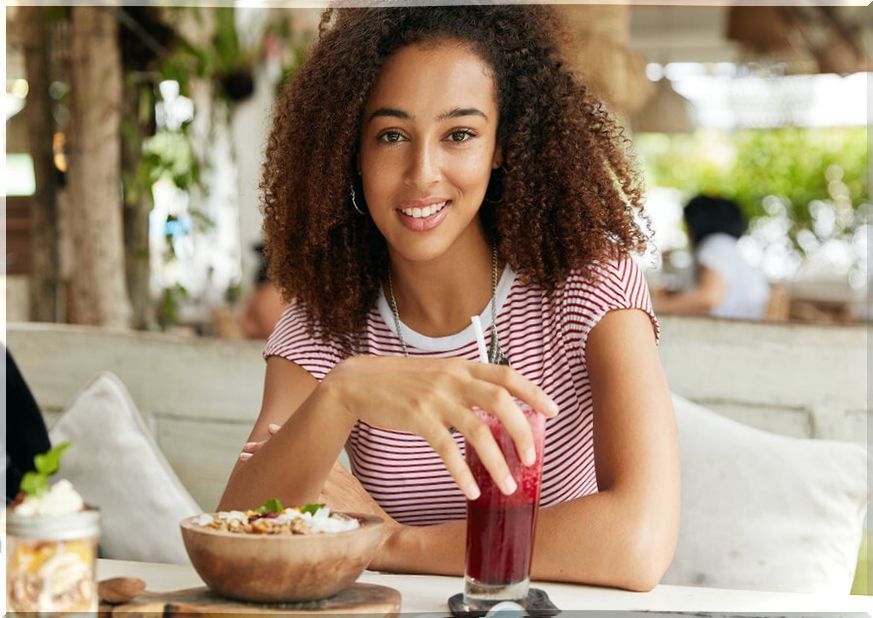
point(566, 196)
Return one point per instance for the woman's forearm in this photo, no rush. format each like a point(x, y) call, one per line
point(293, 464)
point(591, 540)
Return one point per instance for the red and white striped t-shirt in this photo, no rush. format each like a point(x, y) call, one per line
point(544, 341)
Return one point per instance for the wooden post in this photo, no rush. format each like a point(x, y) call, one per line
point(98, 287)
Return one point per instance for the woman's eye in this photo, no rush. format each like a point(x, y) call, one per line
point(390, 137)
point(462, 136)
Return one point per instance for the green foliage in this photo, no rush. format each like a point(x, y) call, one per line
point(228, 54)
point(168, 308)
point(169, 155)
point(792, 163)
point(35, 483)
point(233, 293)
point(187, 61)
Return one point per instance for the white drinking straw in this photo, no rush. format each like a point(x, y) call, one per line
point(480, 339)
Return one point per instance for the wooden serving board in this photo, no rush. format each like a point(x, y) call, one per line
point(356, 599)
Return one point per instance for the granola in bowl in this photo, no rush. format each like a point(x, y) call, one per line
point(274, 519)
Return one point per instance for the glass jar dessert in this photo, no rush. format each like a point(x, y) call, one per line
point(52, 554)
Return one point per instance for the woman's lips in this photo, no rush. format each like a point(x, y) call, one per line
point(424, 224)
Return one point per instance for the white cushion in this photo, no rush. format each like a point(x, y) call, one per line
point(116, 466)
point(766, 512)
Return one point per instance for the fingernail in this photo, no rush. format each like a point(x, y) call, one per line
point(274, 427)
point(553, 408)
point(530, 456)
point(473, 491)
point(245, 456)
point(250, 444)
point(509, 485)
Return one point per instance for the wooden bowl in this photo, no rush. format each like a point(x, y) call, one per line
point(279, 568)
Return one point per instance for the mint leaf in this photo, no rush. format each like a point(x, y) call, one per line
point(273, 505)
point(33, 483)
point(312, 509)
point(48, 463)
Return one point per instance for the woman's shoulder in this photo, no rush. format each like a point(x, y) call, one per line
point(618, 275)
point(298, 337)
point(617, 283)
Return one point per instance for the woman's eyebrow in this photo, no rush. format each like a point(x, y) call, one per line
point(453, 113)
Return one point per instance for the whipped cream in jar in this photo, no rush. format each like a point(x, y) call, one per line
point(52, 554)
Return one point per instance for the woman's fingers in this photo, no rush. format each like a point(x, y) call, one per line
point(479, 437)
point(249, 448)
point(517, 385)
point(443, 443)
point(252, 447)
point(497, 400)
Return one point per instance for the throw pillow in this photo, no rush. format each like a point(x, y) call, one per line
point(766, 512)
point(116, 466)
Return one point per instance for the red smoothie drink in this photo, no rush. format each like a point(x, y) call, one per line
point(500, 528)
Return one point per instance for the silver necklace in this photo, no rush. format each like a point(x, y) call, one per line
point(494, 353)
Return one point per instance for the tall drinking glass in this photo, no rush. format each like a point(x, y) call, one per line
point(500, 528)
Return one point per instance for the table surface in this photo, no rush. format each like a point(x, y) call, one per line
point(423, 594)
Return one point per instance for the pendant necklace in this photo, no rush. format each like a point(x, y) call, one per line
point(494, 353)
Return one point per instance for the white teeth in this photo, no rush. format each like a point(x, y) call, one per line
point(421, 213)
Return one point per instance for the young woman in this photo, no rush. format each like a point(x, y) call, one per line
point(427, 165)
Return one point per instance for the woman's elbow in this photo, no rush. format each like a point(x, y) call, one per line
point(649, 556)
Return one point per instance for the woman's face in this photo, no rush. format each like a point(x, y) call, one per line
point(428, 146)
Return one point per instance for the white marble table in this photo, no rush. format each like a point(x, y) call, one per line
point(422, 594)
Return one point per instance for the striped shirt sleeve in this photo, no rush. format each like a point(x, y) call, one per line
point(292, 341)
point(620, 285)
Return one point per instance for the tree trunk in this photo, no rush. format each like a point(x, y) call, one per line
point(139, 105)
point(98, 287)
point(45, 274)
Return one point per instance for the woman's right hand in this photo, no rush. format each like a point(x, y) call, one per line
point(428, 396)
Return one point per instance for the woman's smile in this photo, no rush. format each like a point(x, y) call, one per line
point(426, 218)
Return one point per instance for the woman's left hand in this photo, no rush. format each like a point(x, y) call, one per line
point(343, 492)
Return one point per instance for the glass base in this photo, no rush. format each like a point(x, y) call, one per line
point(482, 596)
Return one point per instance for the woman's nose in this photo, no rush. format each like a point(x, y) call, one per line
point(424, 168)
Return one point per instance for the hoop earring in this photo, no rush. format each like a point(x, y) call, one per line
point(354, 202)
point(495, 185)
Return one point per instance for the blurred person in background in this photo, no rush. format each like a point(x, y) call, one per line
point(726, 285)
point(264, 305)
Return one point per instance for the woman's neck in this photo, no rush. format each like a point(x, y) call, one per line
point(437, 298)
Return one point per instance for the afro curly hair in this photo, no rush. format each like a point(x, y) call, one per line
point(566, 196)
